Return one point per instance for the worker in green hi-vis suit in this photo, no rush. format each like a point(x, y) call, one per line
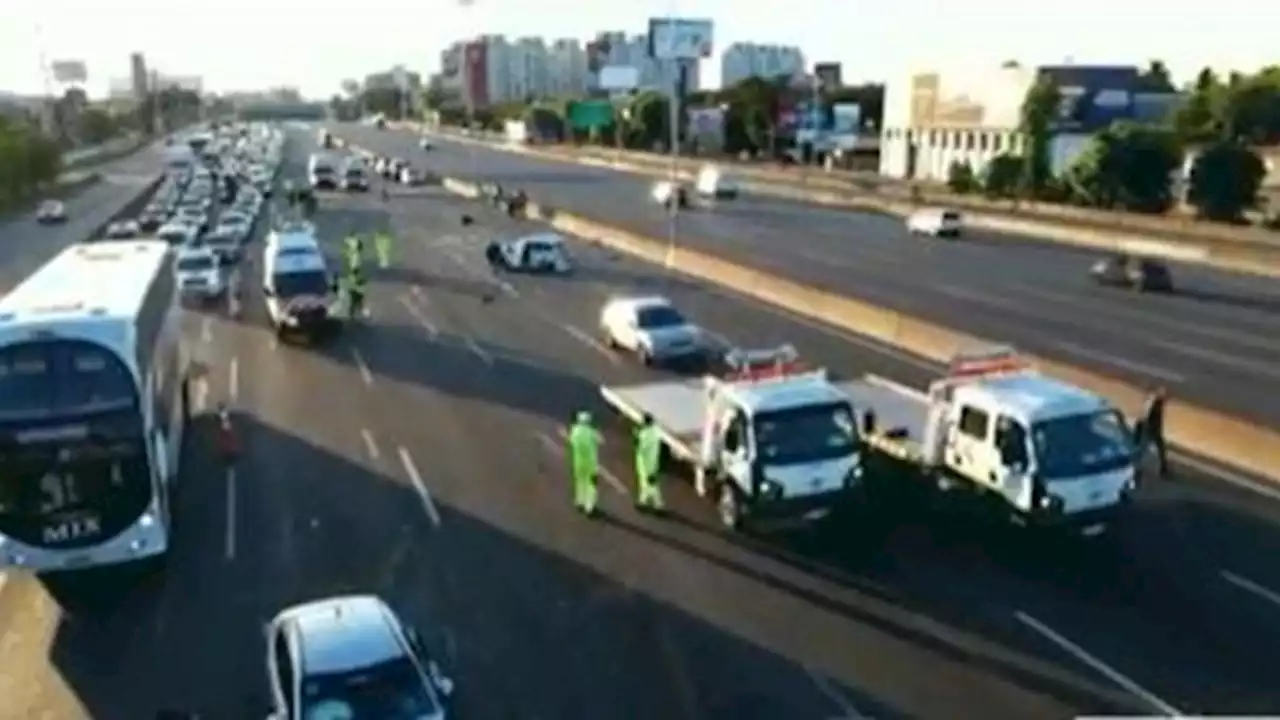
point(584, 460)
point(648, 457)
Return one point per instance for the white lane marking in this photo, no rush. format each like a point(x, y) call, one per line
point(370, 445)
point(233, 379)
point(480, 352)
point(605, 473)
point(1167, 376)
point(202, 395)
point(586, 339)
point(1228, 476)
point(425, 495)
point(363, 367)
point(231, 514)
point(206, 330)
point(1250, 586)
point(1255, 367)
point(508, 289)
point(1110, 673)
point(828, 690)
point(421, 317)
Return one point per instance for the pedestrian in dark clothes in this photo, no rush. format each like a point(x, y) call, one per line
point(1151, 435)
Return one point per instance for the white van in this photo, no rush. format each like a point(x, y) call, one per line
point(321, 172)
point(713, 184)
point(301, 296)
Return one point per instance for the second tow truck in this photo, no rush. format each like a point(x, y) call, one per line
point(1042, 452)
point(774, 443)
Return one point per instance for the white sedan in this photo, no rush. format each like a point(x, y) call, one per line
point(652, 328)
point(936, 222)
point(541, 252)
point(50, 212)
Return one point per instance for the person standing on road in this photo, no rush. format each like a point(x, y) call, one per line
point(382, 246)
point(355, 293)
point(584, 457)
point(354, 251)
point(648, 457)
point(1151, 436)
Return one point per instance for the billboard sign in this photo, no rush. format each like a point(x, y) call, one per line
point(587, 114)
point(619, 78)
point(69, 71)
point(680, 39)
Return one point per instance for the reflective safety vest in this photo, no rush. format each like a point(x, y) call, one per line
point(584, 442)
point(648, 449)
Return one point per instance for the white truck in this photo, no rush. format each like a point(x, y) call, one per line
point(1043, 452)
point(774, 443)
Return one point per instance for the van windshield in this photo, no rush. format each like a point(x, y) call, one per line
point(806, 434)
point(295, 284)
point(1081, 445)
point(196, 263)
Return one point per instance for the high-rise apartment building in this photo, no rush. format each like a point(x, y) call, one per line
point(745, 60)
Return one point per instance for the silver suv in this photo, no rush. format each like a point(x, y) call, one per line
point(351, 657)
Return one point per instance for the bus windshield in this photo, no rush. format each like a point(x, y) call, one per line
point(73, 461)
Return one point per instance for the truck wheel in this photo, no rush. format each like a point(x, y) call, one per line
point(727, 507)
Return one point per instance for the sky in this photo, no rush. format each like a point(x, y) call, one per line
point(314, 44)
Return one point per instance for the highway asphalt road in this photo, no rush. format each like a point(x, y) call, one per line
point(25, 244)
point(1215, 342)
point(417, 456)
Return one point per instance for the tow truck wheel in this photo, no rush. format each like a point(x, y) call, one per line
point(727, 507)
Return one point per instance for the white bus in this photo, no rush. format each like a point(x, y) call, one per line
point(94, 391)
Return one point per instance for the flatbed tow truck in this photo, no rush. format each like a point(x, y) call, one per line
point(774, 443)
point(1041, 452)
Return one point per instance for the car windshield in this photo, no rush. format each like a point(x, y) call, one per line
point(806, 434)
point(196, 263)
point(392, 690)
point(1081, 445)
point(655, 317)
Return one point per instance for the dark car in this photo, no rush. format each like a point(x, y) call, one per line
point(1126, 271)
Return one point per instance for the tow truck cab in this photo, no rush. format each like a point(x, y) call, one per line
point(773, 443)
point(1050, 453)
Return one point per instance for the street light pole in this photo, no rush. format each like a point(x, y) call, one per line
point(673, 211)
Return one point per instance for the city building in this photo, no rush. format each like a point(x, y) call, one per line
point(932, 121)
point(747, 60)
point(493, 70)
point(138, 77)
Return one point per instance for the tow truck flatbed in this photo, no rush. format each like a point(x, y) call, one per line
point(678, 408)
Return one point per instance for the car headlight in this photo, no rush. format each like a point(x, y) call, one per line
point(290, 319)
point(771, 489)
point(1051, 503)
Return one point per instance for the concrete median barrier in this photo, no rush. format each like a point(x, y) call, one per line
point(1202, 432)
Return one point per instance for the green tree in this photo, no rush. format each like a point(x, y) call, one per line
point(1040, 110)
point(1156, 78)
point(1225, 179)
point(544, 122)
point(95, 126)
point(1003, 176)
point(29, 162)
point(1128, 166)
point(1251, 107)
point(961, 178)
point(650, 121)
point(1198, 119)
point(381, 101)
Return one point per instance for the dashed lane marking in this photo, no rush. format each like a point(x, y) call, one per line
point(233, 379)
point(363, 367)
point(1098, 666)
point(586, 339)
point(370, 445)
point(411, 469)
point(1249, 586)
